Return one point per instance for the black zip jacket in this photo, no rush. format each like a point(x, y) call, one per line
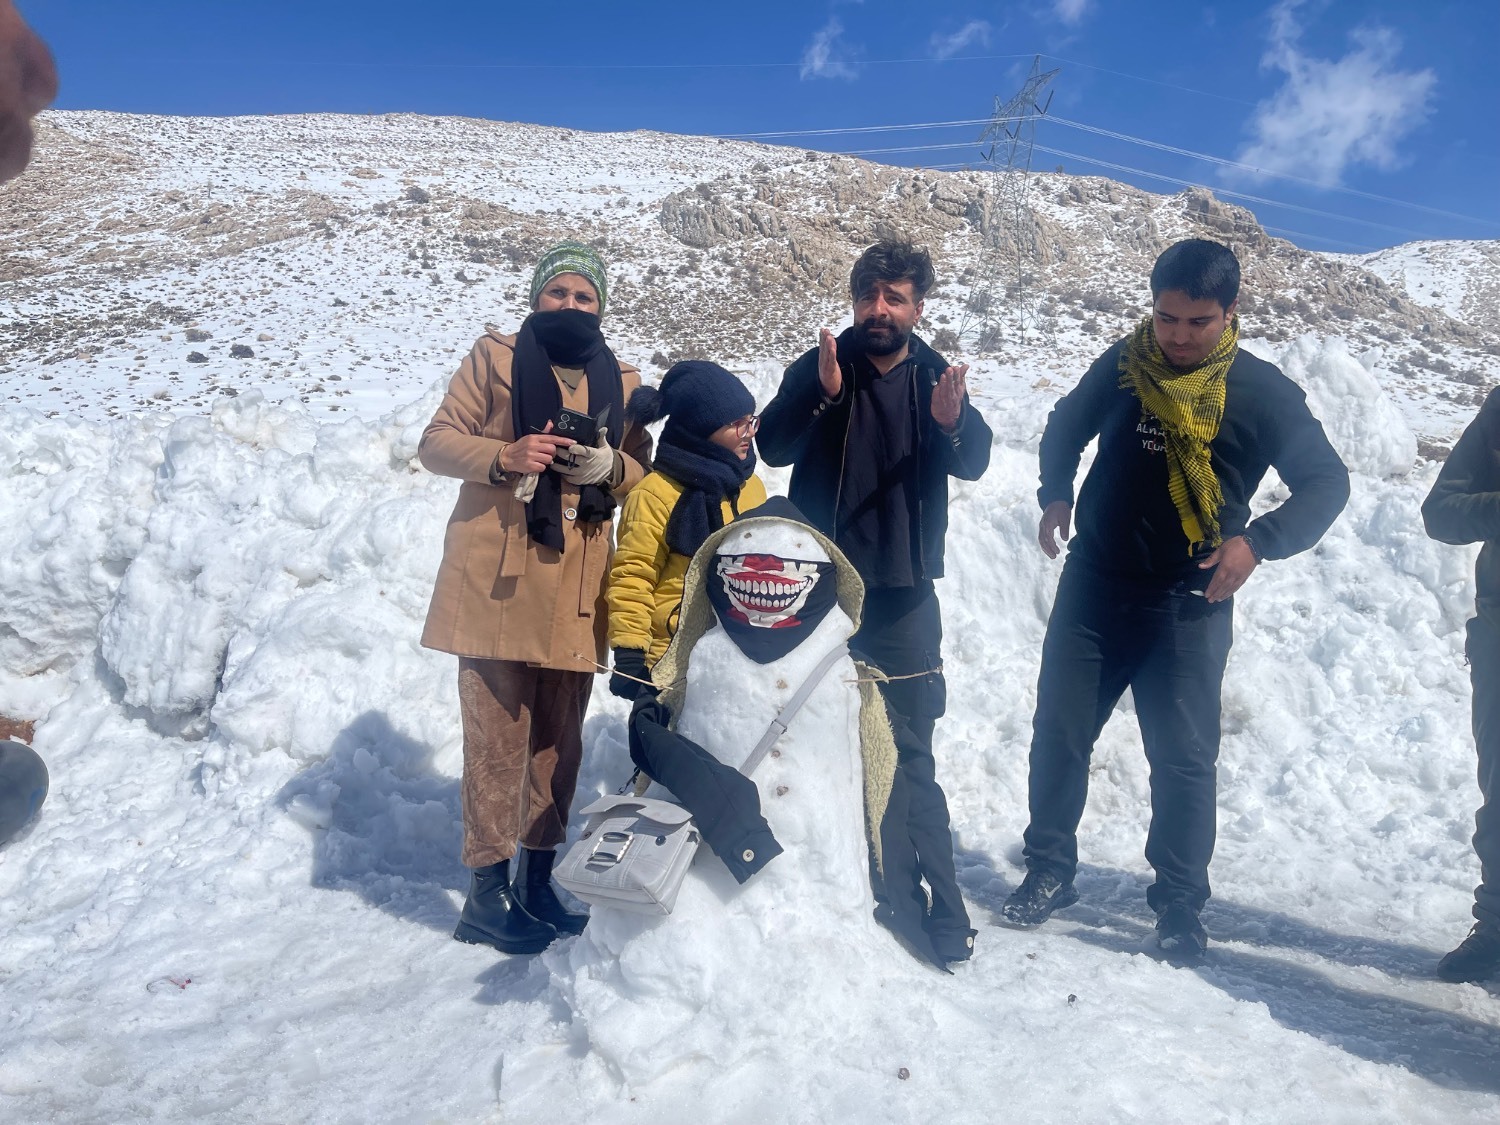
point(1464, 504)
point(804, 429)
point(724, 802)
point(1126, 523)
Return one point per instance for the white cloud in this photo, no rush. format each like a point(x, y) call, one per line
point(826, 56)
point(1070, 11)
point(946, 46)
point(1332, 113)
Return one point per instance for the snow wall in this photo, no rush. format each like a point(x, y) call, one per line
point(214, 620)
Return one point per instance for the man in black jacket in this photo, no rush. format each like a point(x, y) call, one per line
point(1187, 426)
point(873, 423)
point(1464, 507)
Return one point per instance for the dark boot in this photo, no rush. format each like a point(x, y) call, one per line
point(492, 916)
point(534, 891)
point(1039, 894)
point(1179, 934)
point(1476, 958)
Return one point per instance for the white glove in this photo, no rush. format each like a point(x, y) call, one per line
point(587, 464)
point(525, 488)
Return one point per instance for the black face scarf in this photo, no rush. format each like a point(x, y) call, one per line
point(709, 475)
point(567, 338)
point(769, 605)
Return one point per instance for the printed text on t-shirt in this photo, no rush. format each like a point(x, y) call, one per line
point(1150, 430)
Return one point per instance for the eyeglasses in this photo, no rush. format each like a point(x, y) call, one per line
point(747, 426)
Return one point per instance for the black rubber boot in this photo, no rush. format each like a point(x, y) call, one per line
point(534, 891)
point(493, 917)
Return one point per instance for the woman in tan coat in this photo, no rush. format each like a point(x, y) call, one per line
point(520, 594)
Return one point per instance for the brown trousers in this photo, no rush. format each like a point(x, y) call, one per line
point(523, 745)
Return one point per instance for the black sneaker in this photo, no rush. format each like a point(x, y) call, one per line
point(1039, 894)
point(1179, 934)
point(1476, 958)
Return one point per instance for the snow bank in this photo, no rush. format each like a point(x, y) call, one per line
point(236, 904)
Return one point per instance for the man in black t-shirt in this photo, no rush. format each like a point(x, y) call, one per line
point(1187, 425)
point(873, 423)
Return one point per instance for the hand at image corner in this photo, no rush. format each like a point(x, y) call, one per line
point(28, 82)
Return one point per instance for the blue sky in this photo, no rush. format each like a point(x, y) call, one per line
point(1363, 124)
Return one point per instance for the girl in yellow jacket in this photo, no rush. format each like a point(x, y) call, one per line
point(704, 476)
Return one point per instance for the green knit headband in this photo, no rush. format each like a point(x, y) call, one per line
point(570, 257)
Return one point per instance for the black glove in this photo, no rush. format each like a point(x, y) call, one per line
point(630, 662)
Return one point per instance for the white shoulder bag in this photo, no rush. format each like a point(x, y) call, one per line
point(634, 851)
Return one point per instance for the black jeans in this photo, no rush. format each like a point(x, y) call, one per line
point(901, 632)
point(1169, 645)
point(1483, 649)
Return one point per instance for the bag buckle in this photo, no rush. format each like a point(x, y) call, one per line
point(610, 840)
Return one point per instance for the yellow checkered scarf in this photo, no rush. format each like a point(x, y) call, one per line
point(1189, 405)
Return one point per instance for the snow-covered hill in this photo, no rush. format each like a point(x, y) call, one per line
point(357, 257)
point(1462, 279)
point(236, 907)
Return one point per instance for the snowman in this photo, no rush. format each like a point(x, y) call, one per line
point(764, 926)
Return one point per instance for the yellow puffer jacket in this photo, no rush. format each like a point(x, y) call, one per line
point(645, 583)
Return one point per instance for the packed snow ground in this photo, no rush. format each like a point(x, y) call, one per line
point(237, 903)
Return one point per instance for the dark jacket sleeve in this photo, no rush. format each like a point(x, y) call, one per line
point(724, 802)
point(1464, 505)
point(789, 420)
point(1074, 422)
point(969, 445)
point(1311, 470)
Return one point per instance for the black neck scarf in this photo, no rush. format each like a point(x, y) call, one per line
point(709, 474)
point(769, 605)
point(567, 338)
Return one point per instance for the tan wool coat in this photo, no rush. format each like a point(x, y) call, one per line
point(499, 595)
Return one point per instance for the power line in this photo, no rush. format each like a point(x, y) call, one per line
point(856, 129)
point(796, 65)
point(1152, 175)
point(1150, 81)
point(1233, 194)
point(1128, 138)
point(1225, 163)
point(1357, 246)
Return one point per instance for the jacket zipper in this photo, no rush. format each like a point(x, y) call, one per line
point(916, 402)
point(838, 492)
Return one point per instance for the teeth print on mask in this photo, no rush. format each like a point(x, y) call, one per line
point(764, 590)
point(767, 603)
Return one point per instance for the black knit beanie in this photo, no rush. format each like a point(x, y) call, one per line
point(700, 397)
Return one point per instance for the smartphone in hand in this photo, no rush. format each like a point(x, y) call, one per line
point(581, 427)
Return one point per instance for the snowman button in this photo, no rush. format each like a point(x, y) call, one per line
point(747, 855)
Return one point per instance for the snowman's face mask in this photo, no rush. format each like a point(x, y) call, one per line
point(768, 604)
point(767, 591)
